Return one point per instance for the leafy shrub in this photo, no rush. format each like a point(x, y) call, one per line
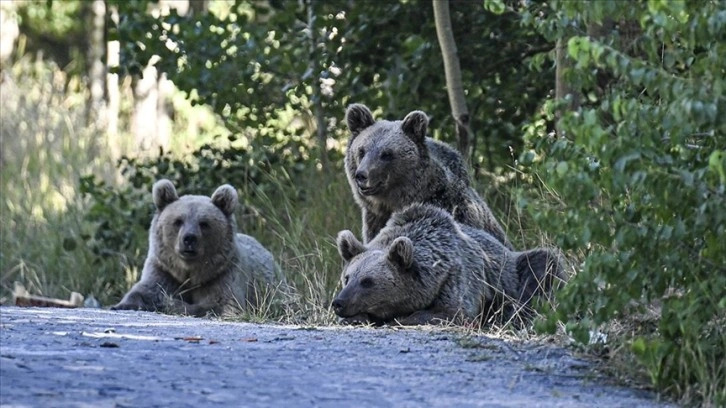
point(638, 171)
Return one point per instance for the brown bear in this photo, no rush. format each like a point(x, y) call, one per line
point(197, 263)
point(424, 267)
point(392, 164)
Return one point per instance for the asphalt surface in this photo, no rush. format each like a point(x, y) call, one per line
point(99, 358)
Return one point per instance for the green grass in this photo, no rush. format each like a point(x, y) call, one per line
point(299, 225)
point(45, 149)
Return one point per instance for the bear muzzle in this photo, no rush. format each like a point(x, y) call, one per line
point(188, 248)
point(365, 185)
point(338, 306)
point(342, 306)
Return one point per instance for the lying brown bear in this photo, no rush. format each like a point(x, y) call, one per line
point(424, 267)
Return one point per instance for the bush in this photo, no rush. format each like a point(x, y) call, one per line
point(638, 171)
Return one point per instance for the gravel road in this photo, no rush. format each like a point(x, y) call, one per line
point(100, 358)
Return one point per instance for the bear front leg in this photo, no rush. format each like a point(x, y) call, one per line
point(151, 292)
point(355, 320)
point(180, 307)
point(422, 317)
point(144, 295)
point(134, 300)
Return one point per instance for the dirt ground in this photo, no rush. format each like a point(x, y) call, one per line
point(100, 358)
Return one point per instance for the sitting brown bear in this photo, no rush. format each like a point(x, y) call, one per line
point(393, 164)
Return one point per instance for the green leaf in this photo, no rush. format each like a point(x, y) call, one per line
point(495, 6)
point(562, 168)
point(639, 346)
point(717, 164)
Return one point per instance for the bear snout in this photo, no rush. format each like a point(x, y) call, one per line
point(189, 246)
point(361, 177)
point(367, 184)
point(338, 306)
point(190, 240)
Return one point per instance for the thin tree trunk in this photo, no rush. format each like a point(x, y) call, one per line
point(96, 15)
point(9, 32)
point(143, 119)
point(563, 63)
point(198, 7)
point(452, 70)
point(113, 107)
point(164, 111)
point(317, 100)
point(151, 120)
point(562, 88)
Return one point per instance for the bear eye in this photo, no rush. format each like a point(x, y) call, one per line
point(345, 280)
point(361, 153)
point(366, 283)
point(204, 225)
point(387, 155)
point(178, 222)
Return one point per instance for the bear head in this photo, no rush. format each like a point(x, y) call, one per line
point(377, 283)
point(383, 154)
point(192, 229)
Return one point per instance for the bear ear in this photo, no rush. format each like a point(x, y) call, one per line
point(415, 125)
point(358, 117)
point(401, 252)
point(225, 198)
point(348, 245)
point(164, 193)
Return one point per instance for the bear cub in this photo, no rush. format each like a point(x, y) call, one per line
point(392, 164)
point(197, 263)
point(424, 267)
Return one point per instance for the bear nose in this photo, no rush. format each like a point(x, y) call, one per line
point(361, 176)
point(337, 305)
point(189, 240)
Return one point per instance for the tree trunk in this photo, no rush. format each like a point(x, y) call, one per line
point(452, 70)
point(145, 115)
point(563, 63)
point(198, 7)
point(9, 30)
point(113, 107)
point(96, 16)
point(151, 120)
point(317, 100)
point(562, 88)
